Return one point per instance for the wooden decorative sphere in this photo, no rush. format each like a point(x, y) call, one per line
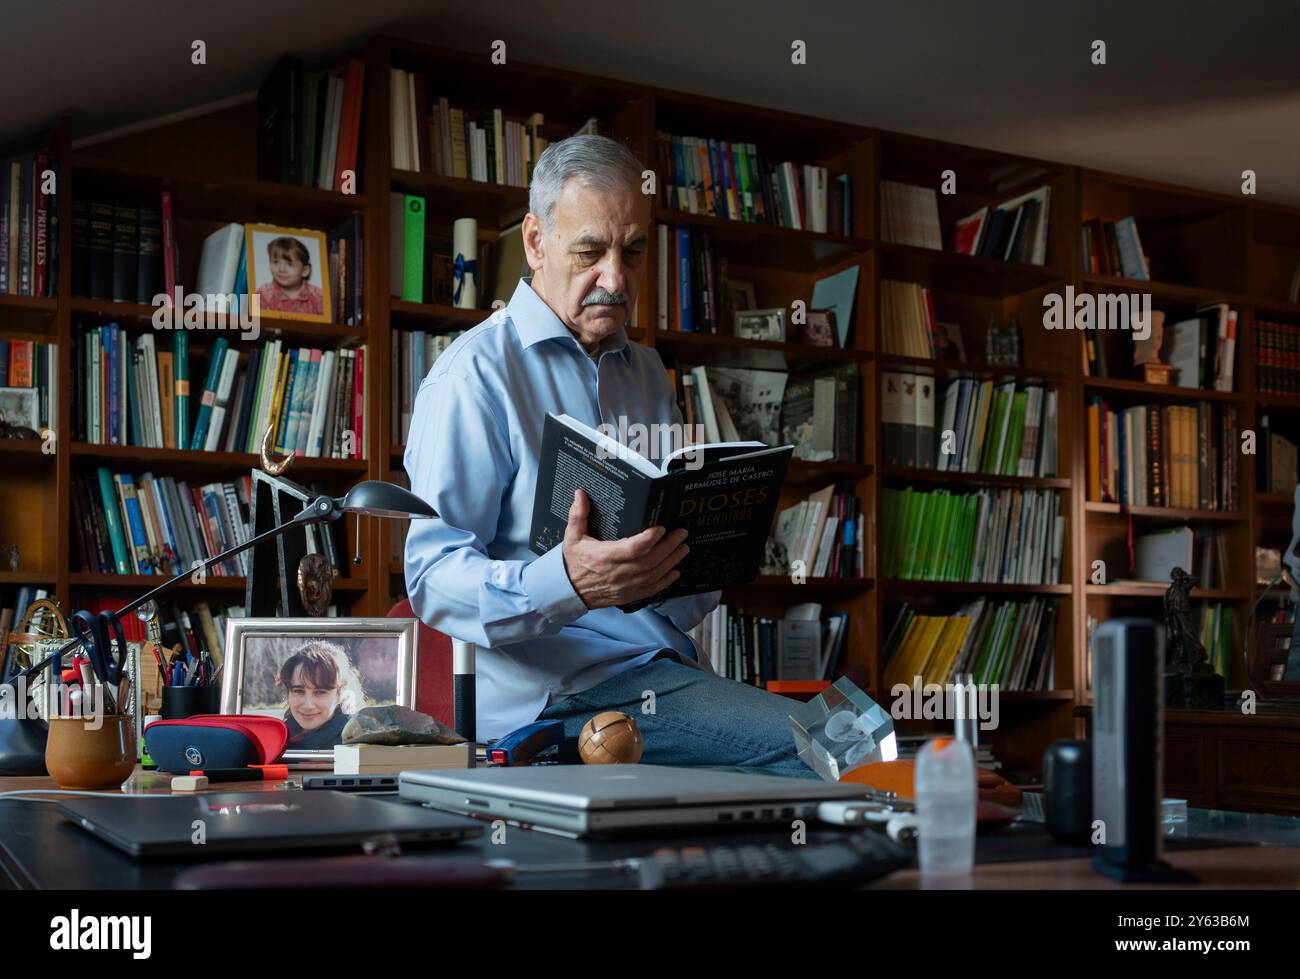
point(611, 738)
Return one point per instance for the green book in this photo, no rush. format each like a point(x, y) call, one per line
point(892, 511)
point(413, 249)
point(918, 509)
point(938, 542)
point(1011, 452)
point(181, 375)
point(310, 96)
point(113, 517)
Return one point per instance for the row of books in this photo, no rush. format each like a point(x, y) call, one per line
point(30, 368)
point(1213, 623)
point(1202, 551)
point(451, 142)
point(910, 326)
point(823, 534)
point(730, 180)
point(1277, 459)
point(1114, 248)
point(309, 125)
point(336, 291)
point(120, 249)
point(1277, 357)
point(1014, 231)
point(421, 268)
point(1007, 536)
point(753, 649)
point(125, 524)
point(816, 411)
point(130, 392)
point(413, 354)
point(1002, 429)
point(1009, 643)
point(1199, 344)
point(29, 219)
point(1163, 455)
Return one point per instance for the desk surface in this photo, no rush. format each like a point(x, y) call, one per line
point(40, 848)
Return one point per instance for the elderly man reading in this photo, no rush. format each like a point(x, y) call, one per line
point(552, 641)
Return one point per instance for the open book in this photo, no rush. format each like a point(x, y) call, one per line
point(724, 494)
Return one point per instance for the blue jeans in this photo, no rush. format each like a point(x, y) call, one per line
point(698, 719)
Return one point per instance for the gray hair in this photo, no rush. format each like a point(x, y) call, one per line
point(594, 161)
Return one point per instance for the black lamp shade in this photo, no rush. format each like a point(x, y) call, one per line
point(380, 499)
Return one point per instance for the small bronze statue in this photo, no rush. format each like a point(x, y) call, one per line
point(315, 584)
point(1190, 681)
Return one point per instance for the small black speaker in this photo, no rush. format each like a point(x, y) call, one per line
point(1067, 791)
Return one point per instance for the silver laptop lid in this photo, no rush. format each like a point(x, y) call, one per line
point(628, 786)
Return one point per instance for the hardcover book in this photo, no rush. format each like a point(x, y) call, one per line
point(724, 494)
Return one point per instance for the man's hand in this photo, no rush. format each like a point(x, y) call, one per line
point(619, 572)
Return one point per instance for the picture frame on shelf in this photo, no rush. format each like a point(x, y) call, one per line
point(288, 271)
point(315, 673)
point(20, 407)
point(761, 324)
point(818, 328)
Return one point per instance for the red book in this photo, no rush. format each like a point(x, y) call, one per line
point(350, 126)
point(169, 247)
point(20, 363)
point(358, 402)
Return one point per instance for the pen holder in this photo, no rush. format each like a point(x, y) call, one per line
point(80, 755)
point(182, 702)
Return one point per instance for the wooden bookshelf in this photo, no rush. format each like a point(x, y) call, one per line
point(1203, 247)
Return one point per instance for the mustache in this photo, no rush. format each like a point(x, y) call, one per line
point(602, 297)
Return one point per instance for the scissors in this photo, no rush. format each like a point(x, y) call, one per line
point(97, 635)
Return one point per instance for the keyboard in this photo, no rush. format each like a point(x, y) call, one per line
point(853, 858)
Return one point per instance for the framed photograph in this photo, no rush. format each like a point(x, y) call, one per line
point(818, 328)
point(21, 407)
point(761, 324)
point(288, 269)
point(315, 673)
point(740, 295)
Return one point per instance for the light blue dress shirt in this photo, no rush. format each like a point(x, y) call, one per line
point(476, 431)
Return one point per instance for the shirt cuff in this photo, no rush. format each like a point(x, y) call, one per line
point(546, 582)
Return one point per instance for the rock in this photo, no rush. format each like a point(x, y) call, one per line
point(397, 725)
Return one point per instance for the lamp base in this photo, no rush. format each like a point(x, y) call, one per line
point(22, 747)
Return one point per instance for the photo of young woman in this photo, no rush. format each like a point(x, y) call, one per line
point(321, 689)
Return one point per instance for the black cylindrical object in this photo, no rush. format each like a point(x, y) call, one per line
point(1067, 791)
point(181, 702)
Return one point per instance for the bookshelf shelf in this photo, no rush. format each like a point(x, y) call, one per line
point(903, 474)
point(458, 197)
point(753, 244)
point(803, 471)
point(453, 316)
point(718, 348)
point(1291, 401)
point(1035, 696)
point(954, 368)
point(1160, 392)
point(1157, 514)
point(1157, 589)
point(205, 195)
point(24, 450)
point(222, 326)
point(184, 460)
point(1274, 499)
point(21, 577)
point(971, 274)
point(782, 582)
point(911, 586)
point(1163, 292)
point(224, 583)
point(1267, 308)
point(38, 303)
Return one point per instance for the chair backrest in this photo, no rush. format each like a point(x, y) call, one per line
point(433, 683)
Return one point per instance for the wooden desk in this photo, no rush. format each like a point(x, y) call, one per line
point(40, 848)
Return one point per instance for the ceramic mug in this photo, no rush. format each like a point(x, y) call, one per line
point(78, 756)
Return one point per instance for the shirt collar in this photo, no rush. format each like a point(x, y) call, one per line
point(535, 321)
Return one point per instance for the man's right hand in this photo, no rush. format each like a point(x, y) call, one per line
point(619, 572)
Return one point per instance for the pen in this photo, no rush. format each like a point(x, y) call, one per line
point(178, 675)
point(255, 773)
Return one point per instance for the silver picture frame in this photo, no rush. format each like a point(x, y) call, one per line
point(239, 631)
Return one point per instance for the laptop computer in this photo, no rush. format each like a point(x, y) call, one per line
point(245, 822)
point(605, 800)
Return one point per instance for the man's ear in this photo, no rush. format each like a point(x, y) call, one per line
point(534, 241)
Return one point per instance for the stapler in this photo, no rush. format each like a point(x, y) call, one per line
point(522, 747)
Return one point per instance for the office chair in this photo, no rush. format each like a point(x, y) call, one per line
point(433, 674)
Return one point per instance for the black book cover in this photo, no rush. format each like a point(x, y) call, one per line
point(80, 248)
point(126, 256)
point(279, 124)
point(724, 495)
point(25, 231)
point(101, 251)
point(149, 267)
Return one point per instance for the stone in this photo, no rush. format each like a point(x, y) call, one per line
point(397, 725)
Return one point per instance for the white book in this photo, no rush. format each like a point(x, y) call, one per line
point(950, 398)
point(826, 546)
point(271, 359)
point(219, 262)
point(319, 405)
point(710, 420)
point(225, 382)
point(662, 240)
point(153, 416)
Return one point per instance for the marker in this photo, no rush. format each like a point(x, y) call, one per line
point(254, 773)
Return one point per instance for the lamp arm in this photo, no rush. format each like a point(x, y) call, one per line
point(320, 509)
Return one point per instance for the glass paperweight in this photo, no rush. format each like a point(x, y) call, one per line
point(842, 728)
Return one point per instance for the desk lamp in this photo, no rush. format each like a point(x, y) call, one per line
point(22, 740)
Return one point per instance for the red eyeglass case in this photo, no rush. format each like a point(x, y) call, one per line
point(215, 741)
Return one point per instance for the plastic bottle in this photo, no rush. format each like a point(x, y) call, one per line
point(945, 807)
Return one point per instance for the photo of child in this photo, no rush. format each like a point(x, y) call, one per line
point(289, 271)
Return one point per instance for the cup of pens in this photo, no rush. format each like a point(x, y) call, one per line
point(190, 687)
point(91, 743)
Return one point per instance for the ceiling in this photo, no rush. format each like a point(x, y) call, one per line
point(1190, 93)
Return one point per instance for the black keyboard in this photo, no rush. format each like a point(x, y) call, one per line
point(854, 858)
